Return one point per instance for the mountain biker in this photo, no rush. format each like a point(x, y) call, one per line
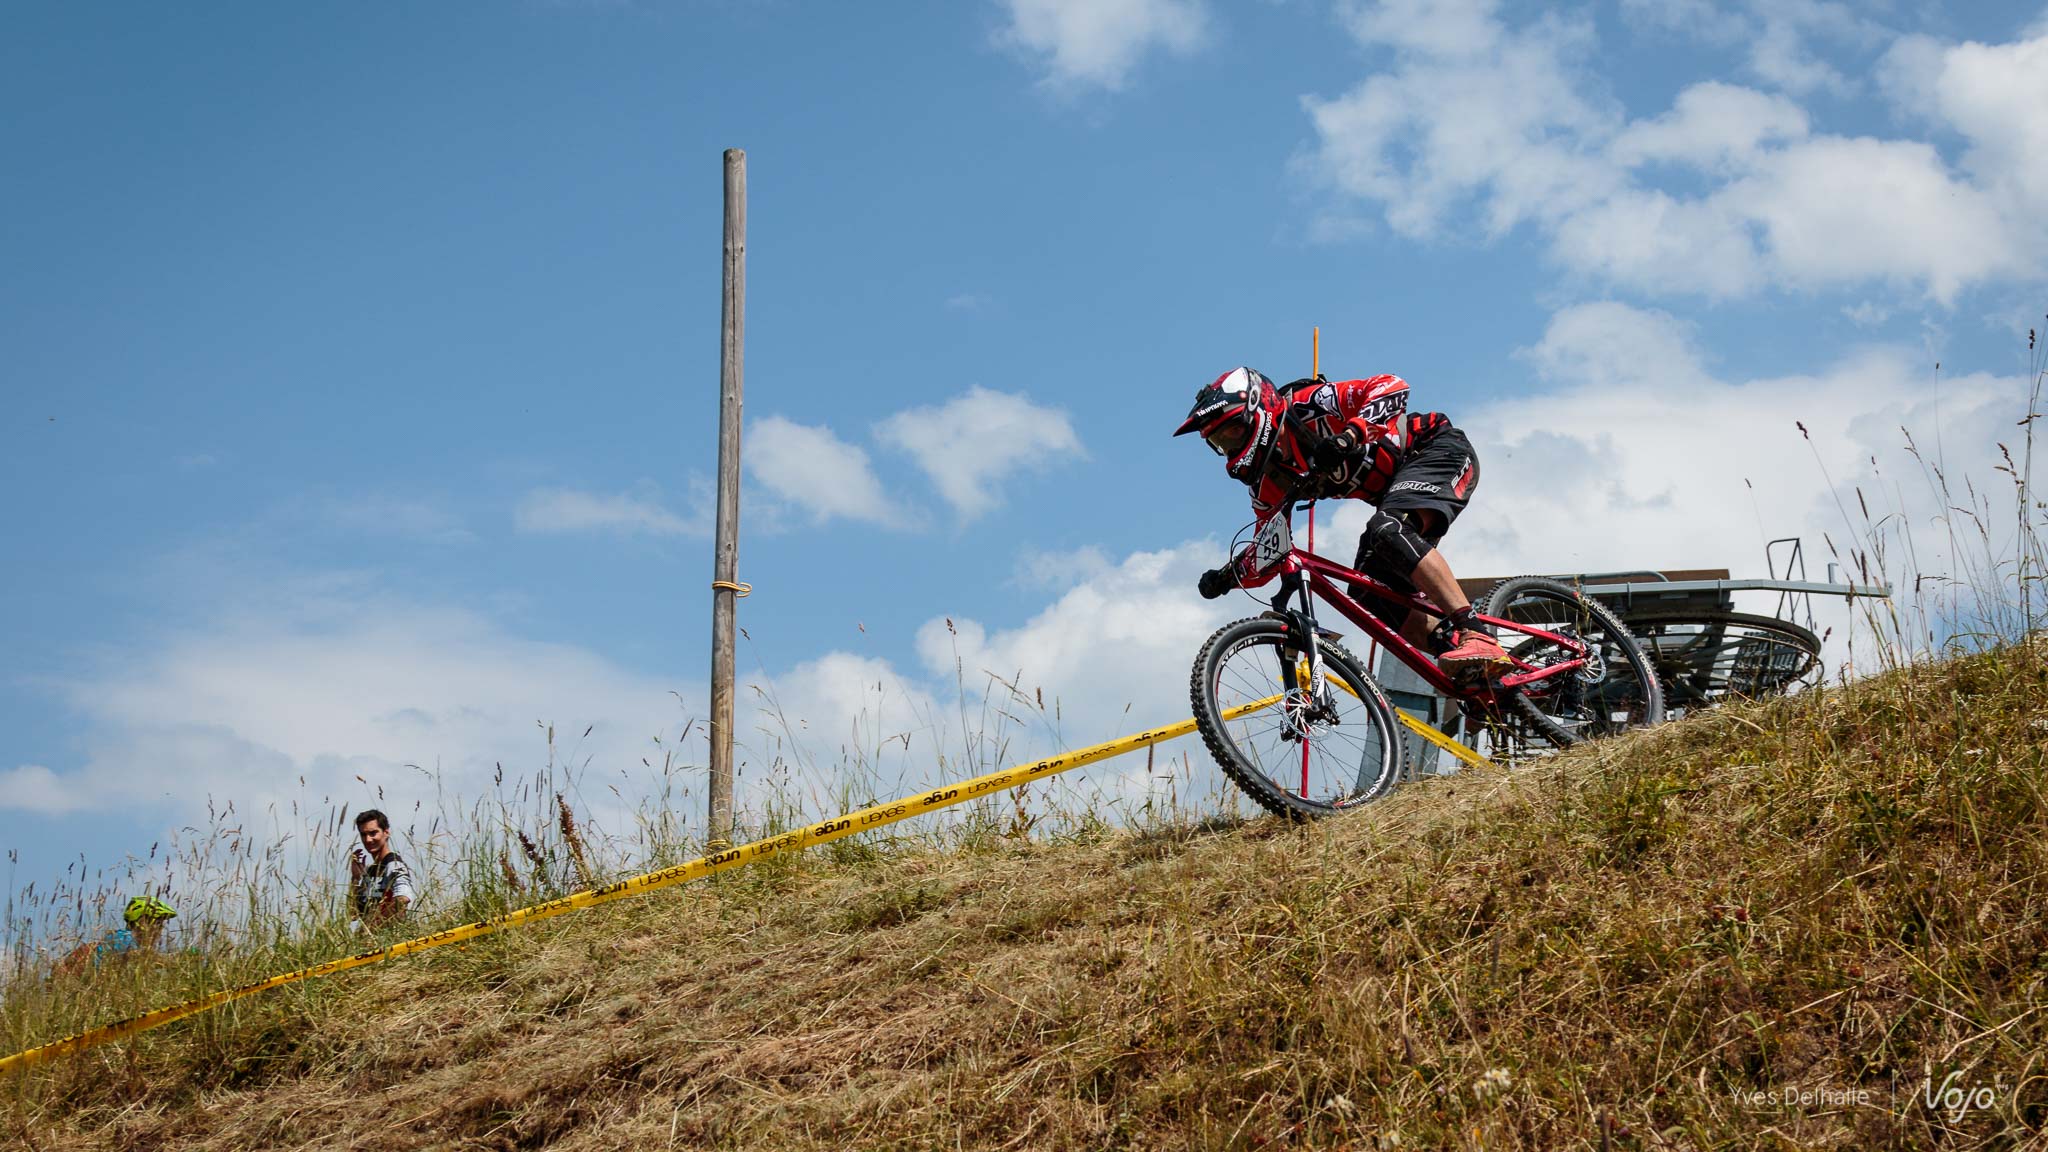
point(1319, 439)
point(145, 917)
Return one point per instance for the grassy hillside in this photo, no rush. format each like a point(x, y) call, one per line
point(1840, 895)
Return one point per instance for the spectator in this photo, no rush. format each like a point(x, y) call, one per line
point(144, 917)
point(379, 883)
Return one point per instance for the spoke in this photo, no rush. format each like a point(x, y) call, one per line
point(1344, 752)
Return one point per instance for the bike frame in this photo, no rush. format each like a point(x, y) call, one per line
point(1305, 572)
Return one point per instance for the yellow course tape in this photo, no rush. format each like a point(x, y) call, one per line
point(1423, 730)
point(864, 820)
point(1442, 741)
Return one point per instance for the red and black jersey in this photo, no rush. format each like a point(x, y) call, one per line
point(1375, 410)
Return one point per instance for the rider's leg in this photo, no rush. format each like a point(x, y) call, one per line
point(1394, 552)
point(1433, 576)
point(1393, 614)
point(1405, 539)
point(1424, 496)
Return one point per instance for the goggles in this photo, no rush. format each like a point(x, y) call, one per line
point(1228, 438)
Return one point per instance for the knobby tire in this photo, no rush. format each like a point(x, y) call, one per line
point(1337, 663)
point(1498, 603)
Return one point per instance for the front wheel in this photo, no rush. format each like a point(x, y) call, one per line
point(1300, 751)
point(1614, 689)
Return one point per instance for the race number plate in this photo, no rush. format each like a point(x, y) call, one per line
point(1274, 541)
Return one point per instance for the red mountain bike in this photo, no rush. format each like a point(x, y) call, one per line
point(1333, 743)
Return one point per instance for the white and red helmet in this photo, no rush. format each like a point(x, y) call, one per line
point(1238, 415)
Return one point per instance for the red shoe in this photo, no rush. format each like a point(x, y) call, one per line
point(1472, 651)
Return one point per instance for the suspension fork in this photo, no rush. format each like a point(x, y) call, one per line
point(1301, 627)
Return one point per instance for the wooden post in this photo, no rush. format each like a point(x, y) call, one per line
point(725, 587)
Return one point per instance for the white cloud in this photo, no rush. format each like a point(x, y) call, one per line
point(1776, 32)
point(34, 788)
point(1711, 126)
point(569, 510)
point(1479, 117)
point(1507, 126)
point(330, 688)
point(1444, 28)
point(1631, 453)
point(1096, 43)
point(1993, 95)
point(1701, 19)
point(1653, 241)
point(405, 516)
point(1109, 656)
point(1635, 455)
point(1779, 50)
point(974, 441)
point(1609, 345)
point(840, 720)
point(1048, 570)
point(1125, 635)
point(815, 471)
point(1833, 210)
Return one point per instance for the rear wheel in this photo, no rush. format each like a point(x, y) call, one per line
point(1615, 689)
point(1299, 752)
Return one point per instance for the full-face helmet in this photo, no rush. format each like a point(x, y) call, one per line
point(1238, 415)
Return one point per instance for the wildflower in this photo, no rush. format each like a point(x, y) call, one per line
point(1494, 1082)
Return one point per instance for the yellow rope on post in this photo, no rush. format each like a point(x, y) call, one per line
point(737, 589)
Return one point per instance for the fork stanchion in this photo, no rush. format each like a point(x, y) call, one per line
point(1311, 639)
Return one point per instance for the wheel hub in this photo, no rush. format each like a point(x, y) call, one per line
point(1595, 668)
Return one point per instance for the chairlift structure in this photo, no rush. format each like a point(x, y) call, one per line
point(1704, 648)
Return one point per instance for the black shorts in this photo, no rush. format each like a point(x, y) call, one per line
point(1437, 478)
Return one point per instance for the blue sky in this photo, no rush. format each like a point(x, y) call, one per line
point(361, 363)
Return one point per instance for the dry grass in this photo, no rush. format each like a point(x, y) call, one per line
point(1839, 892)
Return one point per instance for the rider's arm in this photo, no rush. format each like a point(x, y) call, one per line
point(1373, 408)
point(1269, 498)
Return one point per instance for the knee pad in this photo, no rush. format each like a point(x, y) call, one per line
point(1390, 538)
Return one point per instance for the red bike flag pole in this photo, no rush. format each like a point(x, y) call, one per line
point(1312, 640)
point(1315, 368)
